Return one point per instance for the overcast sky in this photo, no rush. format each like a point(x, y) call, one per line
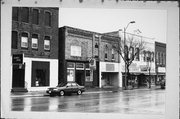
point(152, 23)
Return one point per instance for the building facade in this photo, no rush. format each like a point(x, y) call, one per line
point(142, 68)
point(160, 51)
point(34, 48)
point(87, 58)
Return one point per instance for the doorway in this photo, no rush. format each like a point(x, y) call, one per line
point(18, 80)
point(80, 77)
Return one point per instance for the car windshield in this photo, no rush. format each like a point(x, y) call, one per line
point(61, 84)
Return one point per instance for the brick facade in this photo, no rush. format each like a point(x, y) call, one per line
point(39, 29)
point(88, 45)
point(35, 35)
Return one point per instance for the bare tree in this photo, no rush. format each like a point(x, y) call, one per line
point(129, 50)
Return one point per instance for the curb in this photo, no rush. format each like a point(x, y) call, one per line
point(45, 94)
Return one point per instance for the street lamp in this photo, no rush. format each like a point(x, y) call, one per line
point(149, 68)
point(125, 28)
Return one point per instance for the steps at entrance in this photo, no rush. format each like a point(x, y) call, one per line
point(19, 90)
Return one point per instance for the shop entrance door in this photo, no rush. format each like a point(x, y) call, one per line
point(18, 77)
point(80, 77)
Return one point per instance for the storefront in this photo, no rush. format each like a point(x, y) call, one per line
point(35, 74)
point(139, 75)
point(80, 73)
point(109, 75)
point(160, 75)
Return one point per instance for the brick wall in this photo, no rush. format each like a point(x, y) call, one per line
point(42, 31)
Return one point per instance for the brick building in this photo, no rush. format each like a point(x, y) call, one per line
point(87, 58)
point(34, 48)
point(160, 51)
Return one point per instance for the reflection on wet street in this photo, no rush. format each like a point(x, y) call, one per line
point(129, 102)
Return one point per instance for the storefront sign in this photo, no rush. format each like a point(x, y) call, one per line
point(70, 65)
point(162, 69)
point(76, 51)
point(79, 65)
point(109, 67)
point(143, 68)
point(17, 58)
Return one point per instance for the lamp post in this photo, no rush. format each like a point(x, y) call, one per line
point(126, 58)
point(149, 70)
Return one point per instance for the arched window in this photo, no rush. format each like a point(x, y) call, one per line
point(47, 43)
point(24, 40)
point(47, 18)
point(35, 17)
point(34, 41)
point(25, 14)
point(14, 39)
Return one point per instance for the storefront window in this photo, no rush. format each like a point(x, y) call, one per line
point(88, 76)
point(70, 74)
point(40, 73)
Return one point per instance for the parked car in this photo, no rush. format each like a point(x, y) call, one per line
point(163, 84)
point(65, 88)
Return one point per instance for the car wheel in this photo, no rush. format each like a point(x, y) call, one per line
point(79, 92)
point(61, 93)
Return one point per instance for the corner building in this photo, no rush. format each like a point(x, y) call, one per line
point(35, 45)
point(87, 58)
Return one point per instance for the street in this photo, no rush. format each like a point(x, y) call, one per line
point(138, 101)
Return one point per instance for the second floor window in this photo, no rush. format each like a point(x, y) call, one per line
point(34, 41)
point(106, 52)
point(35, 17)
point(47, 18)
point(14, 39)
point(113, 58)
point(24, 40)
point(47, 43)
point(137, 54)
point(25, 14)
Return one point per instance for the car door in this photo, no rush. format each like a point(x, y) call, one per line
point(68, 88)
point(74, 87)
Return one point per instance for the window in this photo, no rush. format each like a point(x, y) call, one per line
point(106, 52)
point(113, 58)
point(96, 45)
point(25, 14)
point(14, 39)
point(162, 59)
point(34, 41)
point(35, 16)
point(131, 52)
point(144, 52)
point(24, 40)
point(15, 13)
point(152, 56)
point(137, 54)
point(159, 58)
point(47, 43)
point(47, 18)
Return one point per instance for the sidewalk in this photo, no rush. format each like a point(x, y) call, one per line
point(87, 91)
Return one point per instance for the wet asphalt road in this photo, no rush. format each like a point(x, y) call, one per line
point(127, 102)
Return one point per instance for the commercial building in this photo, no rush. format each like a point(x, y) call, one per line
point(160, 51)
point(88, 58)
point(34, 48)
point(142, 68)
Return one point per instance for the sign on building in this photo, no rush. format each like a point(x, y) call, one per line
point(17, 58)
point(76, 51)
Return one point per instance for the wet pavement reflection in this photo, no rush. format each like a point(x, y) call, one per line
point(129, 102)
